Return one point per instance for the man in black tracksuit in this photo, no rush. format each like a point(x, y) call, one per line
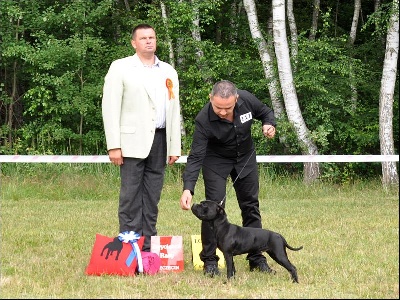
point(223, 146)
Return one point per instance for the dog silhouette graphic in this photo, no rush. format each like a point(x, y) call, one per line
point(115, 245)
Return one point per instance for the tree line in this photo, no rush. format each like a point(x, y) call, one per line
point(327, 68)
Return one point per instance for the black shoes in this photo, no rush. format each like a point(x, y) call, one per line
point(262, 267)
point(211, 270)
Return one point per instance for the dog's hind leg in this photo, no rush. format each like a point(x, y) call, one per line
point(283, 260)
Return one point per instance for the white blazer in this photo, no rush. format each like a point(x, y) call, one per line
point(129, 112)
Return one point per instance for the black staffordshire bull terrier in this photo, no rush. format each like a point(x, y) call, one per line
point(235, 240)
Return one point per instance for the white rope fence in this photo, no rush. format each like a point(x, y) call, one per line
point(183, 159)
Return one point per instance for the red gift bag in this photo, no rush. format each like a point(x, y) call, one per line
point(170, 251)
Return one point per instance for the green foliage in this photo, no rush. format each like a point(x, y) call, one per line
point(66, 67)
point(55, 54)
point(379, 20)
point(322, 82)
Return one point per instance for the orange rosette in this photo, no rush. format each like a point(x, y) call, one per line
point(170, 85)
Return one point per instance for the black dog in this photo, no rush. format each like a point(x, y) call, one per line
point(115, 245)
point(234, 240)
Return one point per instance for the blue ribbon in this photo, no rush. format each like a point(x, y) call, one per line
point(132, 238)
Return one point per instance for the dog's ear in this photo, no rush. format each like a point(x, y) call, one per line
point(220, 210)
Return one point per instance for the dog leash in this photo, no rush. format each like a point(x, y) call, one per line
point(237, 177)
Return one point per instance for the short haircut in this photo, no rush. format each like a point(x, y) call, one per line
point(224, 89)
point(140, 26)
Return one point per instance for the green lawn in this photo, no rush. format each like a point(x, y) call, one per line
point(51, 214)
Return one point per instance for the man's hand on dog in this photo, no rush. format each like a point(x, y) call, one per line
point(186, 200)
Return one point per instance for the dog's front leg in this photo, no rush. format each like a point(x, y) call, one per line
point(230, 265)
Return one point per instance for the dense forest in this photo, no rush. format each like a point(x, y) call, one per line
point(55, 54)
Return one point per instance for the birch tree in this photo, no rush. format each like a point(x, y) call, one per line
point(196, 35)
point(389, 171)
point(377, 4)
point(11, 36)
point(352, 38)
point(354, 24)
point(171, 54)
point(293, 34)
point(169, 42)
point(314, 24)
point(265, 56)
point(311, 169)
point(196, 28)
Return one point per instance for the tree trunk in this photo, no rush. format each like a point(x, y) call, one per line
point(352, 38)
point(390, 175)
point(293, 34)
point(314, 24)
point(165, 21)
point(265, 56)
point(311, 169)
point(266, 51)
point(354, 24)
point(196, 27)
point(11, 106)
point(377, 4)
point(171, 55)
point(14, 97)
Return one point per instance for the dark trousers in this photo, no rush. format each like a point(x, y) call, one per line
point(246, 189)
point(141, 184)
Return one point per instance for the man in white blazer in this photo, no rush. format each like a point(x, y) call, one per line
point(141, 116)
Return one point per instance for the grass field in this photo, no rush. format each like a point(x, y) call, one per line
point(51, 214)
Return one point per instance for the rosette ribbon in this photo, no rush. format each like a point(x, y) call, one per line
point(170, 85)
point(132, 238)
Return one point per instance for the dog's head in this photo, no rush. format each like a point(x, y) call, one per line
point(207, 210)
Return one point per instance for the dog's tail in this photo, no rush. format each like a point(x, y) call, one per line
point(290, 247)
